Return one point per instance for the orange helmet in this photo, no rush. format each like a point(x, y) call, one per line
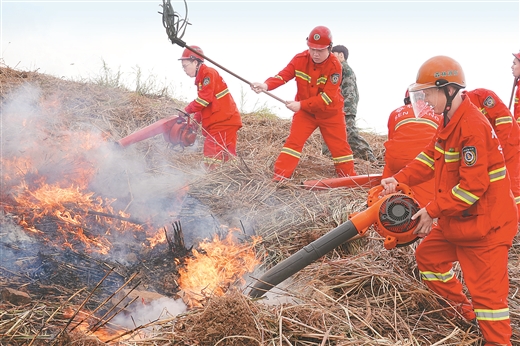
point(438, 72)
point(190, 55)
point(319, 38)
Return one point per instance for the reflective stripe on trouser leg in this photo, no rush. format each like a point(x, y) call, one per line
point(302, 126)
point(335, 135)
point(485, 274)
point(435, 257)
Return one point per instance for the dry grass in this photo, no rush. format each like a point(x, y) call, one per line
point(359, 294)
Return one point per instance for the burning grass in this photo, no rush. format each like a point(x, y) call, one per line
point(358, 294)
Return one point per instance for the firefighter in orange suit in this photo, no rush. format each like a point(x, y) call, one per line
point(318, 103)
point(214, 108)
point(477, 215)
point(408, 134)
point(507, 130)
point(516, 73)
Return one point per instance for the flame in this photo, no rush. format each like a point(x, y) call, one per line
point(38, 197)
point(218, 265)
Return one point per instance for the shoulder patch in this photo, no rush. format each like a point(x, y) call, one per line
point(334, 78)
point(470, 155)
point(489, 102)
point(206, 81)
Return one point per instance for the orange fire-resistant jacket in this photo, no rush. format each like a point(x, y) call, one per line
point(472, 193)
point(407, 136)
point(215, 108)
point(318, 85)
point(319, 94)
point(507, 130)
point(213, 100)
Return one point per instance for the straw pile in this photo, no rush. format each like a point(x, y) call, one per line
point(359, 294)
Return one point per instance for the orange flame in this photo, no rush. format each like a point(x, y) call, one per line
point(218, 265)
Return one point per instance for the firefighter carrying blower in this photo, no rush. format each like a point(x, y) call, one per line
point(477, 215)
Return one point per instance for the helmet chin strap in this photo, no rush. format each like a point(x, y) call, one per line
point(198, 66)
point(449, 100)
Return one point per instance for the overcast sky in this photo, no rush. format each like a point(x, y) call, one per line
point(388, 42)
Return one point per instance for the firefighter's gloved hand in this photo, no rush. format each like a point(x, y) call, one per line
point(258, 87)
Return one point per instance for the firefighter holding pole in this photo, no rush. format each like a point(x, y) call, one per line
point(318, 104)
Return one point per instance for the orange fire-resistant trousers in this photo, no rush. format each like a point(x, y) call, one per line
point(333, 130)
point(220, 145)
point(484, 267)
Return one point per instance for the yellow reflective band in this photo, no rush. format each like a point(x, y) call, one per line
point(451, 156)
point(417, 121)
point(497, 174)
point(326, 98)
point(303, 76)
point(483, 111)
point(428, 161)
point(202, 102)
point(431, 276)
point(503, 120)
point(439, 148)
point(277, 76)
point(211, 160)
point(291, 152)
point(492, 315)
point(321, 80)
point(222, 93)
point(465, 196)
point(517, 199)
point(343, 159)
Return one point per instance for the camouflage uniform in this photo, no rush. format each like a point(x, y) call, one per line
point(358, 144)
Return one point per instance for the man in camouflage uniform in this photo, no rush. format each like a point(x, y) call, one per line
point(359, 145)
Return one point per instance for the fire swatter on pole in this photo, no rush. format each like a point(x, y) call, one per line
point(176, 28)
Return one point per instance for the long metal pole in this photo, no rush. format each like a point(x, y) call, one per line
point(184, 45)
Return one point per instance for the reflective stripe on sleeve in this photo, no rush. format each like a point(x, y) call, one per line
point(465, 196)
point(503, 120)
point(202, 102)
point(497, 174)
point(326, 98)
point(428, 161)
point(222, 93)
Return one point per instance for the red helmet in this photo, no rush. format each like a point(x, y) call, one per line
point(319, 38)
point(190, 55)
point(517, 55)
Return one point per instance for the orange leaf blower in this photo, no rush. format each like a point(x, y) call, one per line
point(391, 215)
point(177, 130)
